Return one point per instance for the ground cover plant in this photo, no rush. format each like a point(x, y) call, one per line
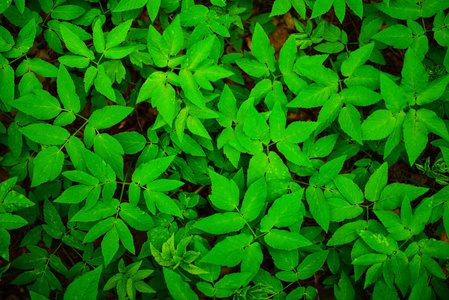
point(232, 149)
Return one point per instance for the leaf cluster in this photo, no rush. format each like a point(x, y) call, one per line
point(172, 149)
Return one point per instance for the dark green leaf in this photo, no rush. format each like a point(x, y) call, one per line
point(85, 286)
point(179, 289)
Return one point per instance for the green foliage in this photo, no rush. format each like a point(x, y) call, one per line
point(168, 149)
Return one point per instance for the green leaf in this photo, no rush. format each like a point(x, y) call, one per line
point(10, 221)
point(378, 125)
point(298, 132)
point(42, 67)
point(293, 153)
point(356, 59)
point(360, 96)
point(44, 133)
point(15, 139)
point(98, 36)
point(277, 123)
point(252, 260)
point(369, 259)
point(378, 242)
point(190, 87)
point(329, 112)
point(376, 183)
point(103, 84)
point(225, 193)
point(329, 47)
point(153, 9)
point(349, 119)
point(433, 91)
point(126, 5)
point(196, 126)
point(194, 15)
point(431, 7)
point(66, 90)
point(75, 61)
point(157, 47)
point(396, 136)
point(349, 189)
point(285, 240)
point(99, 229)
point(41, 105)
point(150, 84)
point(47, 165)
point(118, 35)
point(164, 100)
point(74, 44)
point(356, 6)
point(321, 7)
point(256, 126)
point(393, 95)
point(280, 7)
point(53, 40)
point(346, 233)
point(85, 286)
point(198, 52)
point(319, 208)
point(312, 263)
point(284, 212)
point(327, 172)
point(398, 36)
point(254, 200)
point(344, 289)
point(132, 142)
point(207, 72)
point(110, 245)
point(287, 56)
point(341, 209)
point(285, 260)
point(221, 223)
point(7, 87)
point(67, 12)
point(136, 218)
point(229, 252)
point(5, 241)
point(110, 150)
point(415, 135)
point(433, 267)
point(414, 75)
point(434, 248)
point(178, 289)
point(26, 36)
point(150, 171)
point(98, 212)
point(52, 218)
point(119, 52)
point(261, 48)
point(165, 204)
point(125, 236)
point(432, 122)
point(253, 67)
point(164, 185)
point(317, 73)
point(109, 116)
point(14, 201)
